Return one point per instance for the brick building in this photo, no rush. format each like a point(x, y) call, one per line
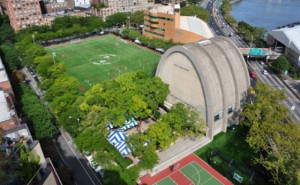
point(56, 6)
point(165, 22)
point(22, 13)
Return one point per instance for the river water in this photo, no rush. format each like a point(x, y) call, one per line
point(268, 14)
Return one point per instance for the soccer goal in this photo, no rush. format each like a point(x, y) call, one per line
point(74, 41)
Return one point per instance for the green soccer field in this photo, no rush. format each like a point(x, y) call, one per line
point(96, 60)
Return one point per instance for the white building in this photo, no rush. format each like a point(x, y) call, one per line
point(287, 41)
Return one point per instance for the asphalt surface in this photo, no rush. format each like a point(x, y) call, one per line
point(82, 172)
point(273, 80)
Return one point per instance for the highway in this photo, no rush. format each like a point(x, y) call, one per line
point(82, 172)
point(273, 80)
point(220, 27)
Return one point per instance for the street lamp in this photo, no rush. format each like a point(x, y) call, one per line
point(53, 56)
point(78, 120)
point(33, 39)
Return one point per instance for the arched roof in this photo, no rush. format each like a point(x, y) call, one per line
point(215, 66)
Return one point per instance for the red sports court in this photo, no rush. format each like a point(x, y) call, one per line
point(190, 170)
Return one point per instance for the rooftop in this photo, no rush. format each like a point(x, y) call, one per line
point(168, 9)
point(289, 36)
point(3, 75)
point(195, 25)
point(5, 113)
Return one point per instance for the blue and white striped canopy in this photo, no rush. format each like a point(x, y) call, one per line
point(130, 124)
point(122, 148)
point(117, 138)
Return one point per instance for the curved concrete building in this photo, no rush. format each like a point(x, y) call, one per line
point(210, 75)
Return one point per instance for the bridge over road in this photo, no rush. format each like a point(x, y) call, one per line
point(264, 53)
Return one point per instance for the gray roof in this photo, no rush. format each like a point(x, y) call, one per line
point(290, 37)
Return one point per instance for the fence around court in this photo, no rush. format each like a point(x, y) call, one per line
point(69, 38)
point(229, 167)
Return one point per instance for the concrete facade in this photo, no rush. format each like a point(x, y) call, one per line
point(211, 76)
point(22, 13)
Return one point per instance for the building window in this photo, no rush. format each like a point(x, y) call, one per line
point(152, 32)
point(231, 109)
point(218, 116)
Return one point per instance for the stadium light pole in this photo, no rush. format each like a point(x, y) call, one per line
point(53, 56)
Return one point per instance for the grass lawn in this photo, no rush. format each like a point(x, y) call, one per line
point(233, 147)
point(95, 60)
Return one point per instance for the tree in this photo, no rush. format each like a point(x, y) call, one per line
point(63, 85)
point(9, 56)
point(37, 115)
point(137, 18)
point(226, 7)
point(43, 64)
point(29, 164)
point(194, 10)
point(161, 134)
point(281, 64)
point(274, 140)
point(117, 18)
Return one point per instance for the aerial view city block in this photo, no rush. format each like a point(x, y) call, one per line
point(149, 92)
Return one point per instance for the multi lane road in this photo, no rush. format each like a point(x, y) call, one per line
point(292, 102)
point(220, 27)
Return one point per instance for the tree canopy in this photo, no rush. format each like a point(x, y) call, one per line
point(272, 135)
point(281, 64)
point(117, 18)
point(194, 10)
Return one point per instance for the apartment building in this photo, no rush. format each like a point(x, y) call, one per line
point(22, 13)
point(8, 116)
point(165, 22)
point(11, 143)
point(115, 6)
point(54, 6)
point(82, 3)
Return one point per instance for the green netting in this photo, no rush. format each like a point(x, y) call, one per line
point(257, 52)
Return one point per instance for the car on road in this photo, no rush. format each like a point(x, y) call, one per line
point(265, 72)
point(93, 164)
point(230, 34)
point(261, 62)
point(252, 75)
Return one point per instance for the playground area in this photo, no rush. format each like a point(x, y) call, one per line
point(102, 58)
point(190, 170)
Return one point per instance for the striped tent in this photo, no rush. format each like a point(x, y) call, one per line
point(122, 148)
point(130, 124)
point(116, 136)
point(117, 139)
